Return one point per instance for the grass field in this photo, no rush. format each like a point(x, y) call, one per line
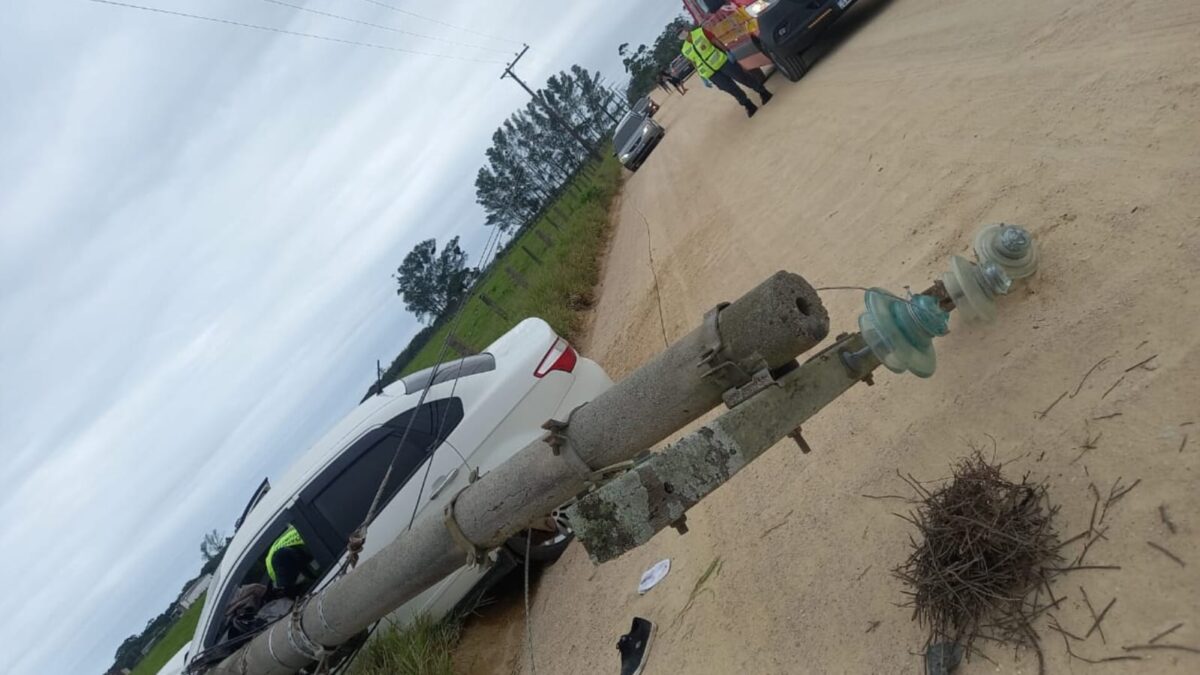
point(172, 641)
point(423, 647)
point(557, 287)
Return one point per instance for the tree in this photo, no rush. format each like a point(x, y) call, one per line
point(531, 159)
point(431, 282)
point(212, 546)
point(644, 63)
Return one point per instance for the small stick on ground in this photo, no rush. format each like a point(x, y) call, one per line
point(1165, 633)
point(1088, 374)
point(1096, 625)
point(778, 525)
point(1089, 443)
point(1053, 625)
point(1141, 363)
point(863, 573)
point(1042, 414)
point(1066, 643)
point(1114, 386)
point(1162, 514)
point(1095, 617)
point(1183, 443)
point(1118, 495)
point(873, 626)
point(1107, 417)
point(1076, 568)
point(1167, 553)
point(1182, 648)
point(1088, 545)
point(902, 498)
point(1072, 540)
point(1115, 495)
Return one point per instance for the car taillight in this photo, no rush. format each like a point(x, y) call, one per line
point(561, 356)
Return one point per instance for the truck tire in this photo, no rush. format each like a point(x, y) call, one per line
point(793, 67)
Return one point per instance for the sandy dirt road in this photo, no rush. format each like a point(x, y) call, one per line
point(1080, 120)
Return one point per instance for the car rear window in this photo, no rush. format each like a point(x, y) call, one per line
point(344, 496)
point(471, 365)
point(626, 130)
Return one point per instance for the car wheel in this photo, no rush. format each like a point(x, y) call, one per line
point(793, 67)
point(545, 548)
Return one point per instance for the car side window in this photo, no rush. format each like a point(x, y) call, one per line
point(342, 498)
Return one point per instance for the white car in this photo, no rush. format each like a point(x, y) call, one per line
point(478, 412)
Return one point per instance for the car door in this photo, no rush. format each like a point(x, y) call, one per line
point(339, 500)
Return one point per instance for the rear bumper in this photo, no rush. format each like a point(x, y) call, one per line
point(791, 26)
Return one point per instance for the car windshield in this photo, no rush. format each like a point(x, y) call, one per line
point(626, 129)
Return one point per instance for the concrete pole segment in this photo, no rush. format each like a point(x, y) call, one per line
point(626, 512)
point(767, 327)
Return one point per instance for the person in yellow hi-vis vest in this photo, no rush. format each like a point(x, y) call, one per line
point(715, 66)
point(287, 560)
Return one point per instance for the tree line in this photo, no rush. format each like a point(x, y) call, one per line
point(531, 161)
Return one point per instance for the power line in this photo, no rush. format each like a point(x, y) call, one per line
point(381, 26)
point(440, 22)
point(283, 31)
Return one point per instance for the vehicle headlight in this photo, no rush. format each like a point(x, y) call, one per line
point(646, 130)
point(624, 156)
point(758, 7)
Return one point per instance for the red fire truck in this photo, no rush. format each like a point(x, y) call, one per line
point(758, 33)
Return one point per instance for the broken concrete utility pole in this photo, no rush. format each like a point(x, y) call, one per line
point(743, 354)
point(737, 344)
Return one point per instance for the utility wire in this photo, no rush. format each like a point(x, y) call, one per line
point(489, 250)
point(283, 31)
point(383, 27)
point(440, 22)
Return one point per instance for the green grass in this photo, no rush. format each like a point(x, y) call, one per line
point(422, 647)
point(557, 287)
point(171, 642)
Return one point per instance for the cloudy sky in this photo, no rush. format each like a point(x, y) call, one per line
point(197, 226)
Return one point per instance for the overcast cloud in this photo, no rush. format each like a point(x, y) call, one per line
point(199, 223)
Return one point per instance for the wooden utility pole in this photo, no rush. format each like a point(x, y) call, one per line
point(554, 114)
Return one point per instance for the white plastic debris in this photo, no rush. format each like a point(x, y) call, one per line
point(655, 574)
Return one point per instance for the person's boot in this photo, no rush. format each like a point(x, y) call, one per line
point(751, 109)
point(635, 646)
point(766, 97)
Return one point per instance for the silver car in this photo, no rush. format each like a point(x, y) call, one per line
point(635, 137)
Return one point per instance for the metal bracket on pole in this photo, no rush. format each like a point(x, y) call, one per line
point(759, 381)
point(738, 383)
point(475, 555)
point(560, 446)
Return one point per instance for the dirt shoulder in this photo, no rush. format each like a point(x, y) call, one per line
point(1077, 120)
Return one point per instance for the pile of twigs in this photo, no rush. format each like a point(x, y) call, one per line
point(986, 549)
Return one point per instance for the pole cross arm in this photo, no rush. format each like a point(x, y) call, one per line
point(626, 512)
